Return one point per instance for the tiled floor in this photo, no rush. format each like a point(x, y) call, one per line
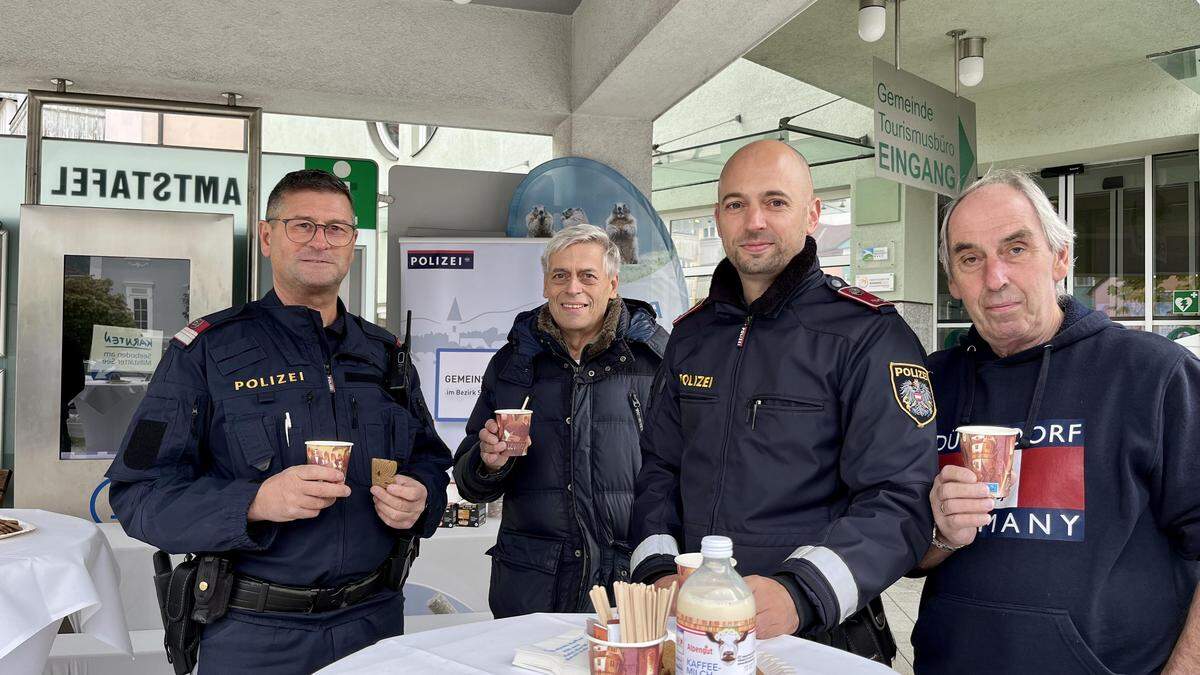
point(900, 604)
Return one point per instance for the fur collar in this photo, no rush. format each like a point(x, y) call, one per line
point(727, 285)
point(608, 331)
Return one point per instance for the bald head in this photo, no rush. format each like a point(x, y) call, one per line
point(766, 210)
point(768, 155)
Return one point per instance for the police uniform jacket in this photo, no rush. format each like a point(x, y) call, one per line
point(566, 503)
point(211, 429)
point(800, 427)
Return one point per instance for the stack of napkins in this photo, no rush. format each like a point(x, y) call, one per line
point(565, 654)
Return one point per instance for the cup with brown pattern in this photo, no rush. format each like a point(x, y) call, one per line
point(333, 454)
point(990, 453)
point(512, 426)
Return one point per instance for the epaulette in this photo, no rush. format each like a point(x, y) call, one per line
point(379, 333)
point(188, 334)
point(856, 294)
point(688, 313)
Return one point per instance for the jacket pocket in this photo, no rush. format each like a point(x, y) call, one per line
point(524, 574)
point(694, 409)
point(779, 403)
point(635, 406)
point(386, 436)
point(251, 436)
point(237, 355)
point(957, 634)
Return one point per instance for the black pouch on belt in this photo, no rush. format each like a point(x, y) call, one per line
point(868, 635)
point(400, 561)
point(181, 635)
point(214, 582)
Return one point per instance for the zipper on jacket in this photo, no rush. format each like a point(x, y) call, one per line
point(584, 546)
point(195, 415)
point(737, 363)
point(637, 409)
point(308, 399)
point(745, 331)
point(329, 377)
point(353, 411)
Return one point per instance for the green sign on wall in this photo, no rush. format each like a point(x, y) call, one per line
point(924, 134)
point(1185, 302)
point(363, 178)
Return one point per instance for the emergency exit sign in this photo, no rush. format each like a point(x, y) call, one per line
point(1185, 302)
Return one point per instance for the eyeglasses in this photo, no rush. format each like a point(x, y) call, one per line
point(303, 230)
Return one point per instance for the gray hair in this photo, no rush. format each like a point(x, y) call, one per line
point(583, 234)
point(1058, 234)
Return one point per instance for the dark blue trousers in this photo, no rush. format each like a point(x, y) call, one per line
point(269, 643)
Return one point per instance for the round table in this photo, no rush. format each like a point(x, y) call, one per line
point(488, 647)
point(64, 568)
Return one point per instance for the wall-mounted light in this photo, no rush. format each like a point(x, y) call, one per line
point(970, 60)
point(872, 19)
point(462, 2)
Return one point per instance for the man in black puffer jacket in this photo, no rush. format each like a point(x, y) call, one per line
point(586, 359)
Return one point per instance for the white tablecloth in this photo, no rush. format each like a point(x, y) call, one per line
point(489, 647)
point(135, 559)
point(64, 568)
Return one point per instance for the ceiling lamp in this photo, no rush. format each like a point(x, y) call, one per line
point(970, 60)
point(872, 19)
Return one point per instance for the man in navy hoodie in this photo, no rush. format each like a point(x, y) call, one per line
point(1089, 566)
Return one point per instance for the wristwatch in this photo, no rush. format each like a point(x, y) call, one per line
point(941, 544)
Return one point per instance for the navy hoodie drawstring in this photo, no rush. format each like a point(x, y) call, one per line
point(968, 404)
point(1036, 403)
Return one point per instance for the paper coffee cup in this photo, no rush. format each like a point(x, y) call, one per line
point(333, 454)
point(513, 427)
point(989, 452)
point(686, 563)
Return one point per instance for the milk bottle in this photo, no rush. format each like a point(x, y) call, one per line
point(715, 616)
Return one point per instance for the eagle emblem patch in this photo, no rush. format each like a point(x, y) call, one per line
point(914, 392)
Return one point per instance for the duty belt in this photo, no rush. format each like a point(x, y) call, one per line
point(257, 595)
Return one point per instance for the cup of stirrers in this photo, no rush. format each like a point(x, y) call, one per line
point(628, 642)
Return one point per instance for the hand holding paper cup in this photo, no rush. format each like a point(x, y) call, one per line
point(513, 428)
point(989, 452)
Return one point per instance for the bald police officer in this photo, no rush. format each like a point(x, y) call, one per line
point(214, 460)
point(792, 414)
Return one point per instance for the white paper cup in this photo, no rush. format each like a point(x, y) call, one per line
point(686, 563)
point(333, 454)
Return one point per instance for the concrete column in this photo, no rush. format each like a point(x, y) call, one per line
point(622, 143)
point(904, 220)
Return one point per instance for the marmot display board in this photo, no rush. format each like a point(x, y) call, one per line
point(573, 191)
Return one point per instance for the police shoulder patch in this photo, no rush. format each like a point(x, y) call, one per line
point(691, 311)
point(190, 332)
point(859, 295)
point(913, 391)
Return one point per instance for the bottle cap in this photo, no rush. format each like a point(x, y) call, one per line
point(715, 546)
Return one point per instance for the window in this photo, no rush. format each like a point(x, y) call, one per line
point(142, 127)
point(1176, 236)
point(833, 233)
point(138, 297)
